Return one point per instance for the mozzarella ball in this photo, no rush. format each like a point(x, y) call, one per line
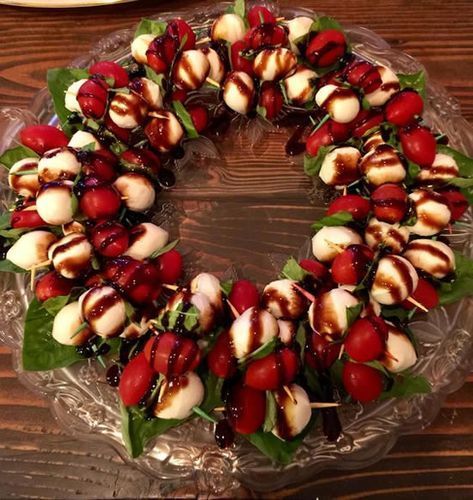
point(401, 354)
point(392, 236)
point(274, 64)
point(54, 202)
point(127, 110)
point(433, 257)
point(145, 239)
point(25, 185)
point(178, 395)
point(394, 281)
point(228, 27)
point(139, 47)
point(164, 131)
point(81, 139)
point(149, 91)
point(71, 255)
point(201, 302)
point(443, 168)
point(294, 414)
point(137, 191)
point(239, 91)
point(191, 70)
point(66, 326)
point(283, 300)
point(31, 249)
point(251, 330)
point(432, 212)
point(300, 86)
point(389, 86)
point(332, 240)
point(328, 314)
point(381, 165)
point(59, 164)
point(373, 141)
point(297, 28)
point(217, 68)
point(340, 103)
point(71, 103)
point(372, 308)
point(209, 285)
point(340, 167)
point(287, 331)
point(104, 309)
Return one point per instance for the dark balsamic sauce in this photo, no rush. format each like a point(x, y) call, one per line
point(113, 376)
point(224, 434)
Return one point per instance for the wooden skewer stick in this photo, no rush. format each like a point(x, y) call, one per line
point(123, 198)
point(33, 271)
point(342, 350)
point(304, 292)
point(289, 393)
point(212, 82)
point(207, 39)
point(158, 115)
point(170, 287)
point(324, 405)
point(219, 408)
point(417, 304)
point(233, 309)
point(336, 247)
point(345, 190)
point(279, 19)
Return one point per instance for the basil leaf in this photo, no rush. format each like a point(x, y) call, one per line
point(167, 319)
point(7, 266)
point(378, 366)
point(461, 182)
point(353, 312)
point(202, 414)
point(313, 164)
point(414, 81)
point(40, 351)
point(213, 391)
point(407, 385)
point(261, 352)
point(59, 80)
point(463, 284)
point(336, 372)
point(154, 77)
point(413, 170)
point(301, 340)
point(326, 23)
point(13, 234)
point(237, 8)
point(261, 110)
point(465, 163)
point(293, 271)
point(150, 27)
point(185, 119)
point(166, 248)
point(271, 412)
point(11, 156)
point(5, 220)
point(55, 304)
point(337, 219)
point(226, 287)
point(395, 312)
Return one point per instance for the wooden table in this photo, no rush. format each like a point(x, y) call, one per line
point(37, 458)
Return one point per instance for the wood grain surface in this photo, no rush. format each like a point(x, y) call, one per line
point(39, 459)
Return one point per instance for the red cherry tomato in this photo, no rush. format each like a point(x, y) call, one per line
point(350, 266)
point(390, 203)
point(457, 203)
point(271, 99)
point(246, 409)
point(329, 133)
point(354, 204)
point(100, 166)
point(110, 69)
point(92, 97)
point(26, 218)
point(52, 285)
point(179, 95)
point(266, 35)
point(182, 32)
point(320, 354)
point(367, 119)
point(362, 382)
point(244, 295)
point(403, 107)
point(122, 134)
point(260, 15)
point(170, 267)
point(238, 62)
point(425, 293)
point(42, 138)
point(172, 354)
point(135, 381)
point(100, 202)
point(418, 144)
point(220, 359)
point(317, 269)
point(140, 159)
point(273, 371)
point(161, 53)
point(366, 339)
point(109, 238)
point(326, 48)
point(363, 74)
point(199, 116)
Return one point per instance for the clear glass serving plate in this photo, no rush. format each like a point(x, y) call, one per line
point(241, 207)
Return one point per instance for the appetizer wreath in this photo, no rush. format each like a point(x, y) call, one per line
point(329, 330)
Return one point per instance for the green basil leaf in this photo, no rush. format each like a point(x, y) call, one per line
point(337, 219)
point(166, 248)
point(226, 287)
point(13, 234)
point(293, 271)
point(336, 372)
point(7, 266)
point(271, 412)
point(5, 220)
point(301, 340)
point(313, 164)
point(326, 23)
point(55, 304)
point(40, 351)
point(461, 182)
point(213, 391)
point(154, 77)
point(11, 156)
point(167, 319)
point(150, 27)
point(261, 352)
point(414, 81)
point(465, 163)
point(353, 312)
point(378, 366)
point(240, 8)
point(261, 110)
point(413, 170)
point(185, 119)
point(462, 286)
point(395, 312)
point(407, 385)
point(202, 414)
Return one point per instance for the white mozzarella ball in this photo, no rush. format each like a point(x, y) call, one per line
point(297, 28)
point(81, 139)
point(373, 141)
point(372, 308)
point(209, 285)
point(104, 309)
point(283, 300)
point(287, 331)
point(137, 191)
point(217, 68)
point(66, 325)
point(328, 314)
point(274, 64)
point(394, 281)
point(191, 70)
point(31, 249)
point(58, 165)
point(389, 86)
point(392, 236)
point(340, 167)
point(251, 330)
point(433, 257)
point(164, 131)
point(382, 164)
point(401, 354)
point(139, 47)
point(443, 168)
point(228, 27)
point(293, 414)
point(178, 395)
point(149, 91)
point(239, 91)
point(54, 202)
point(25, 185)
point(71, 255)
point(300, 86)
point(201, 302)
point(332, 240)
point(342, 104)
point(432, 212)
point(70, 101)
point(127, 110)
point(145, 239)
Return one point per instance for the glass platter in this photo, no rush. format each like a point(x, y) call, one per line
point(61, 4)
point(240, 208)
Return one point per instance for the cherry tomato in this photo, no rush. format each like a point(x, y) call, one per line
point(350, 266)
point(110, 69)
point(52, 285)
point(363, 74)
point(220, 359)
point(140, 159)
point(329, 133)
point(199, 116)
point(170, 267)
point(238, 61)
point(362, 382)
point(271, 99)
point(266, 35)
point(182, 32)
point(110, 238)
point(367, 119)
point(100, 202)
point(136, 380)
point(418, 144)
point(316, 268)
point(122, 134)
point(326, 48)
point(161, 53)
point(92, 97)
point(425, 293)
point(244, 295)
point(366, 339)
point(246, 409)
point(260, 15)
point(457, 203)
point(354, 204)
point(320, 354)
point(390, 203)
point(179, 95)
point(403, 107)
point(26, 218)
point(42, 138)
point(100, 166)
